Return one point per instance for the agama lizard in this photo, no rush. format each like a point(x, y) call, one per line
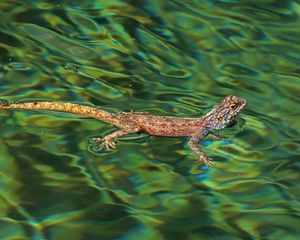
point(196, 129)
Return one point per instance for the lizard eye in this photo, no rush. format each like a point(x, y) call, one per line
point(233, 106)
point(220, 119)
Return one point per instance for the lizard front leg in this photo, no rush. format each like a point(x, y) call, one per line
point(202, 157)
point(108, 141)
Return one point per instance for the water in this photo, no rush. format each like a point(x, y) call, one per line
point(166, 57)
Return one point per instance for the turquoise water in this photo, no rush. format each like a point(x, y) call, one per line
point(167, 57)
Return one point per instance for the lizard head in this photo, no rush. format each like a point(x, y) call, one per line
point(225, 112)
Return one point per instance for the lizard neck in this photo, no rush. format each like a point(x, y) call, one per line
point(203, 124)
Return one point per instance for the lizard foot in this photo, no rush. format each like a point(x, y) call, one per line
point(208, 161)
point(107, 143)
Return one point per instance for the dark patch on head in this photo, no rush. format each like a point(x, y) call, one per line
point(232, 123)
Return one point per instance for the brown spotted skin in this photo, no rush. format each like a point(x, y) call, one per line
point(133, 122)
point(168, 126)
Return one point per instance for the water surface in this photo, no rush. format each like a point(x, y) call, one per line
point(167, 57)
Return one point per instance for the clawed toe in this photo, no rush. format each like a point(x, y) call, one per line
point(95, 140)
point(107, 144)
point(208, 161)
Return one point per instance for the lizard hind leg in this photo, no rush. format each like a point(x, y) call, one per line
point(108, 143)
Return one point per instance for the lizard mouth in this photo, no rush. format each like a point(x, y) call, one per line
point(243, 103)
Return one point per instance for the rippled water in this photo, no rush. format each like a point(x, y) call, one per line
point(167, 57)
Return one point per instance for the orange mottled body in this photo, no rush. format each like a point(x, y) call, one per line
point(196, 129)
point(168, 126)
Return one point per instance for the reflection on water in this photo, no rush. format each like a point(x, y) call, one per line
point(167, 57)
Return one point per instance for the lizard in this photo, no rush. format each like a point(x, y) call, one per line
point(221, 115)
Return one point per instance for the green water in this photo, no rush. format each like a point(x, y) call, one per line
point(167, 57)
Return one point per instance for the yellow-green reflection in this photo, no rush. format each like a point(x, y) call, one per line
point(166, 57)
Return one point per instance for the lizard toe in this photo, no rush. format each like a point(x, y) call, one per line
point(209, 162)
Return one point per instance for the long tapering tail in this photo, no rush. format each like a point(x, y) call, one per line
point(91, 112)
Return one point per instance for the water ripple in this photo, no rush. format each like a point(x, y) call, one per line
point(166, 57)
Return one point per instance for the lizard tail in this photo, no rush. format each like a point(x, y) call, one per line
point(91, 112)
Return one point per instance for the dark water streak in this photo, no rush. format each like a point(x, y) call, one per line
point(166, 57)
